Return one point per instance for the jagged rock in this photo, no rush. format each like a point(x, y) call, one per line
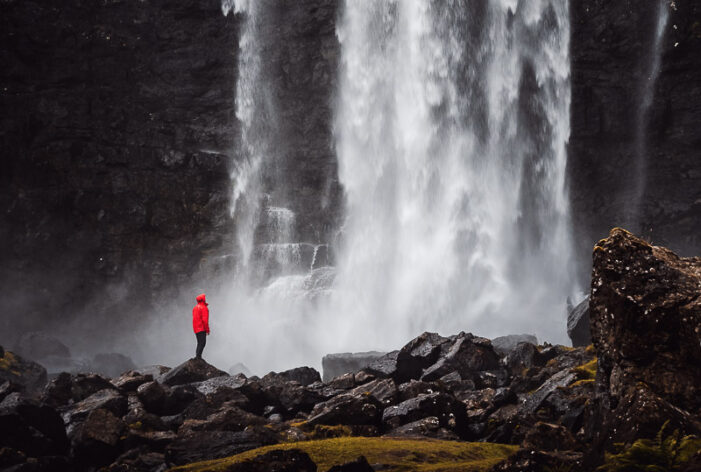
point(418, 354)
point(130, 381)
point(84, 385)
point(111, 364)
point(36, 346)
point(304, 375)
point(179, 398)
point(107, 399)
point(449, 411)
point(561, 379)
point(549, 437)
point(277, 460)
point(646, 318)
point(343, 382)
point(59, 391)
point(383, 390)
point(429, 427)
point(491, 378)
point(152, 440)
point(384, 366)
point(95, 441)
point(227, 418)
point(206, 445)
point(334, 365)
point(347, 409)
point(25, 373)
point(465, 355)
point(28, 426)
point(295, 398)
point(414, 388)
point(8, 387)
point(193, 370)
point(523, 356)
point(578, 324)
point(358, 465)
point(138, 417)
point(138, 459)
point(152, 395)
point(504, 344)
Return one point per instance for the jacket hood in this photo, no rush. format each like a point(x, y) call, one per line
point(201, 298)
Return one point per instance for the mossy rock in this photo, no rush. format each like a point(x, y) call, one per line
point(25, 373)
point(396, 455)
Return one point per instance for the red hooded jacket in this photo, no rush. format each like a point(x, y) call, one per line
point(200, 315)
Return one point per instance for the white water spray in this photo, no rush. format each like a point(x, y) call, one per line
point(451, 128)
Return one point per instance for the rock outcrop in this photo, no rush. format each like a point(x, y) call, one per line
point(646, 327)
point(578, 324)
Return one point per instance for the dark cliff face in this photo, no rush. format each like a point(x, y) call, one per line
point(612, 48)
point(117, 133)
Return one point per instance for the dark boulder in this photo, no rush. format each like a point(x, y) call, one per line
point(59, 391)
point(578, 324)
point(179, 398)
point(414, 388)
point(107, 399)
point(383, 390)
point(449, 411)
point(25, 373)
point(347, 409)
point(334, 365)
point(28, 426)
point(384, 366)
point(549, 437)
point(418, 354)
point(645, 314)
point(465, 354)
point(429, 427)
point(194, 370)
point(302, 375)
point(152, 395)
point(95, 442)
point(533, 400)
point(227, 418)
point(84, 385)
point(528, 460)
point(503, 344)
point(131, 380)
point(294, 398)
point(278, 460)
point(357, 465)
point(206, 445)
point(111, 364)
point(523, 356)
point(36, 345)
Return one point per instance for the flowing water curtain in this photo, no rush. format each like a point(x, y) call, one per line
point(451, 131)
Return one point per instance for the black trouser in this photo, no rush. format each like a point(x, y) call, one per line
point(201, 341)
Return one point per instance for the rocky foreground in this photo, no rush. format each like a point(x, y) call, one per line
point(565, 407)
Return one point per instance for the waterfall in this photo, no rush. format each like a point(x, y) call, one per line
point(647, 95)
point(452, 123)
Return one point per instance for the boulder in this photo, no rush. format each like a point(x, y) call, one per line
point(95, 442)
point(228, 418)
point(449, 411)
point(528, 460)
point(84, 385)
point(294, 398)
point(549, 437)
point(59, 391)
point(383, 390)
point(37, 345)
point(414, 388)
point(343, 382)
point(108, 399)
point(523, 356)
point(561, 379)
point(578, 324)
point(278, 460)
point(465, 354)
point(27, 374)
point(418, 354)
point(194, 370)
point(302, 375)
point(179, 398)
point(334, 365)
point(384, 366)
point(347, 409)
point(645, 315)
point(360, 464)
point(152, 395)
point(35, 429)
point(429, 427)
point(130, 381)
point(503, 344)
point(206, 445)
point(111, 364)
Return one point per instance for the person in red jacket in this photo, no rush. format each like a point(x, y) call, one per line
point(200, 324)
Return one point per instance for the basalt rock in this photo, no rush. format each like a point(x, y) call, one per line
point(449, 411)
point(95, 441)
point(130, 381)
point(303, 375)
point(206, 445)
point(467, 354)
point(347, 409)
point(35, 429)
point(108, 399)
point(504, 344)
point(84, 385)
point(193, 370)
point(646, 324)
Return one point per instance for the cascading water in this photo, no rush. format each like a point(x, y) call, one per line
point(451, 126)
point(647, 94)
point(451, 130)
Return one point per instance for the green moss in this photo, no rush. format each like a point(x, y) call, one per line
point(397, 455)
point(586, 371)
point(590, 349)
point(666, 453)
point(582, 382)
